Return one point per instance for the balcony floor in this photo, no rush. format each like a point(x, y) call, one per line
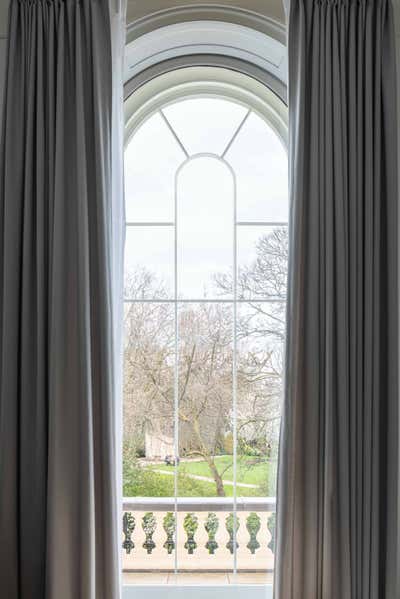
point(196, 578)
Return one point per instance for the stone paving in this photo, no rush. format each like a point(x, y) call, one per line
point(195, 578)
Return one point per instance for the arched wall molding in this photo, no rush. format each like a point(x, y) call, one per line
point(273, 26)
point(247, 63)
point(214, 38)
point(176, 84)
point(207, 60)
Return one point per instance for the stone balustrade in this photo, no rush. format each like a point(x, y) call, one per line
point(198, 534)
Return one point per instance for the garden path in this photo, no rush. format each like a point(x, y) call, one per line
point(208, 479)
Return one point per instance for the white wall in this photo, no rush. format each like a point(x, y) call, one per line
point(139, 9)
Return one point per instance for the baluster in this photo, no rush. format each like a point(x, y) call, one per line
point(271, 524)
point(253, 525)
point(149, 524)
point(169, 527)
point(211, 525)
point(128, 526)
point(190, 525)
point(230, 525)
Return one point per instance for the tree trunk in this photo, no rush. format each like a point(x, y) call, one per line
point(217, 478)
point(211, 464)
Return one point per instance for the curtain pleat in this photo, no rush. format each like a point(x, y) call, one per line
point(338, 476)
point(59, 404)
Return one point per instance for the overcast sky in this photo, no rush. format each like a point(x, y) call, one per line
point(205, 191)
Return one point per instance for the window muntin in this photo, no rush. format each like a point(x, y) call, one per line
point(227, 212)
point(217, 115)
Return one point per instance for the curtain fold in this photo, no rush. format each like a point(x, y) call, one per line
point(337, 521)
point(61, 237)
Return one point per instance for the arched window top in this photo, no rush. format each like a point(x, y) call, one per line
point(225, 128)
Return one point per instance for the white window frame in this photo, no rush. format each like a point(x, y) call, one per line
point(195, 81)
point(171, 591)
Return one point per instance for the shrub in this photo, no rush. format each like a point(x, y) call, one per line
point(248, 449)
point(139, 482)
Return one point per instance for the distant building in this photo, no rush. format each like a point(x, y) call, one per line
point(157, 446)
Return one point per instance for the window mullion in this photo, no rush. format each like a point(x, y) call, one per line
point(176, 369)
point(234, 379)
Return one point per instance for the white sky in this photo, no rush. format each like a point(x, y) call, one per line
point(205, 191)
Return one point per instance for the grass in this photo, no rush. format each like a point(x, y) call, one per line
point(250, 470)
point(144, 482)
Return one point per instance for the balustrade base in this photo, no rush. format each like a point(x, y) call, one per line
point(196, 571)
point(204, 540)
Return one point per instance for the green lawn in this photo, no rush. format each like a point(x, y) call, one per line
point(250, 470)
point(143, 481)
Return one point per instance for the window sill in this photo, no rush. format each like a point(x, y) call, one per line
point(233, 591)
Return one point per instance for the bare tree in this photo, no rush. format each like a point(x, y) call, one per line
point(205, 376)
point(205, 359)
point(261, 334)
point(148, 360)
point(205, 381)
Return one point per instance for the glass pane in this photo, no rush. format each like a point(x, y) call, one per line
point(205, 124)
point(148, 436)
point(205, 197)
point(262, 263)
point(151, 161)
point(260, 163)
point(149, 262)
point(205, 437)
point(260, 354)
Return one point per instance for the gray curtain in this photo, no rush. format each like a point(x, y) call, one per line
point(337, 521)
point(59, 219)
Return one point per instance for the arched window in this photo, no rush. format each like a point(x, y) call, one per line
point(205, 292)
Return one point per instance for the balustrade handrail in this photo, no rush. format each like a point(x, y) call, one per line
point(190, 505)
point(199, 504)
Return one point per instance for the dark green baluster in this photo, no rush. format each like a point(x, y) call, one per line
point(253, 525)
point(271, 524)
point(211, 525)
point(169, 527)
point(190, 524)
point(230, 525)
point(149, 525)
point(128, 526)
